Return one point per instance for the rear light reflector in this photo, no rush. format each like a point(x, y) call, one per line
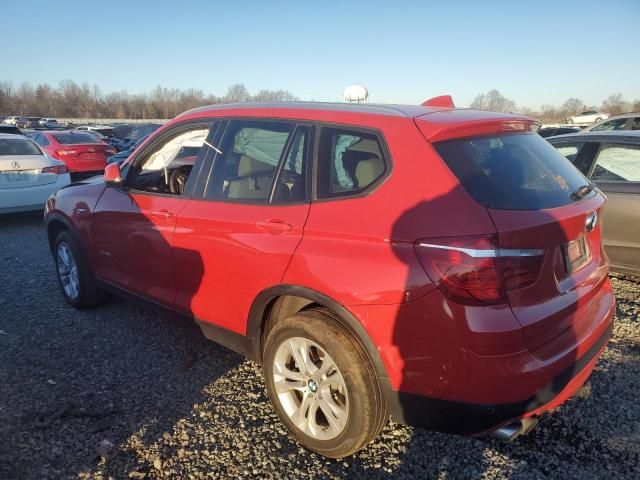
point(66, 152)
point(57, 169)
point(475, 270)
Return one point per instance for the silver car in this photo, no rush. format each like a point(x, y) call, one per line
point(626, 121)
point(27, 176)
point(611, 160)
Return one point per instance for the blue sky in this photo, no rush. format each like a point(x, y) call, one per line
point(534, 52)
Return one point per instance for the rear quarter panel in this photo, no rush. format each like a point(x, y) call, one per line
point(360, 250)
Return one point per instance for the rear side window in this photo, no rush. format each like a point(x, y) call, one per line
point(616, 124)
point(348, 162)
point(18, 146)
point(73, 138)
point(617, 164)
point(514, 171)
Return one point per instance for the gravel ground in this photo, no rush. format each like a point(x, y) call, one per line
point(121, 392)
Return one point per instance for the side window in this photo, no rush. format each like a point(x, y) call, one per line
point(617, 124)
point(617, 163)
point(165, 168)
point(348, 162)
point(635, 125)
point(251, 153)
point(570, 150)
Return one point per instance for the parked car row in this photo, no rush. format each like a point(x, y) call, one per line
point(443, 265)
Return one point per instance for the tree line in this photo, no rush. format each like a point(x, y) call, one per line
point(494, 101)
point(73, 100)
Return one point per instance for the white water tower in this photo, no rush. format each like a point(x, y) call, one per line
point(356, 93)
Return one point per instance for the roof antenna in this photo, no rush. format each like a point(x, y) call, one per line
point(444, 101)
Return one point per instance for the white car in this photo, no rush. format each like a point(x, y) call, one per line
point(590, 116)
point(27, 176)
point(10, 120)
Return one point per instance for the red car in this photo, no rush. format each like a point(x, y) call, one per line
point(80, 151)
point(443, 265)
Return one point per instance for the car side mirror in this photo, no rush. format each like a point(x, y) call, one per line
point(112, 176)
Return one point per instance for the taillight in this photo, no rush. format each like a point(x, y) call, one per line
point(475, 270)
point(66, 153)
point(57, 169)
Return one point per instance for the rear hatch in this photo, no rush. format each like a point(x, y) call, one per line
point(543, 209)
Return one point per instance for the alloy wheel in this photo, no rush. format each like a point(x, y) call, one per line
point(310, 388)
point(68, 271)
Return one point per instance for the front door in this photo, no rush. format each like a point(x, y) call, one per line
point(249, 224)
point(132, 226)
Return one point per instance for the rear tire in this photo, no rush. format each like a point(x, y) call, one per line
point(322, 384)
point(569, 121)
point(74, 274)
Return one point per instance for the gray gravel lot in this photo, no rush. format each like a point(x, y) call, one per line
point(121, 392)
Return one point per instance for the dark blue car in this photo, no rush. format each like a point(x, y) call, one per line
point(124, 154)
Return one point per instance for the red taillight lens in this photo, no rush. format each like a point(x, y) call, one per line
point(66, 153)
point(57, 169)
point(475, 271)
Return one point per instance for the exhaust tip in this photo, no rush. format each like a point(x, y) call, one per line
point(510, 432)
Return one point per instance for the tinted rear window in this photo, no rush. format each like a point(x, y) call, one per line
point(514, 171)
point(18, 146)
point(74, 138)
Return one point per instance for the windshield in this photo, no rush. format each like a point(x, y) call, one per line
point(18, 146)
point(514, 171)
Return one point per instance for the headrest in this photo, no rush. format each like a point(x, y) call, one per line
point(249, 167)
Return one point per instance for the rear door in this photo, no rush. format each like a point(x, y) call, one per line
point(539, 202)
point(239, 239)
point(616, 171)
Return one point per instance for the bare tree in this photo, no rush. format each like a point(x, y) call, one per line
point(572, 106)
point(615, 104)
point(237, 93)
point(493, 101)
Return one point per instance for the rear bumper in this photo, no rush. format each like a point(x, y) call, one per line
point(475, 418)
point(30, 198)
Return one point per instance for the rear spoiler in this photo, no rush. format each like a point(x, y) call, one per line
point(449, 124)
point(444, 101)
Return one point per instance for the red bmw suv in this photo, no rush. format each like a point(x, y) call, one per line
point(437, 264)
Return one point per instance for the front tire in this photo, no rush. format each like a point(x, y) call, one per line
point(322, 384)
point(74, 275)
point(569, 121)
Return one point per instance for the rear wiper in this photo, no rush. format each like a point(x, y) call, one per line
point(582, 192)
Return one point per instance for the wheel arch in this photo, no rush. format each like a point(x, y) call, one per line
point(57, 223)
point(284, 300)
